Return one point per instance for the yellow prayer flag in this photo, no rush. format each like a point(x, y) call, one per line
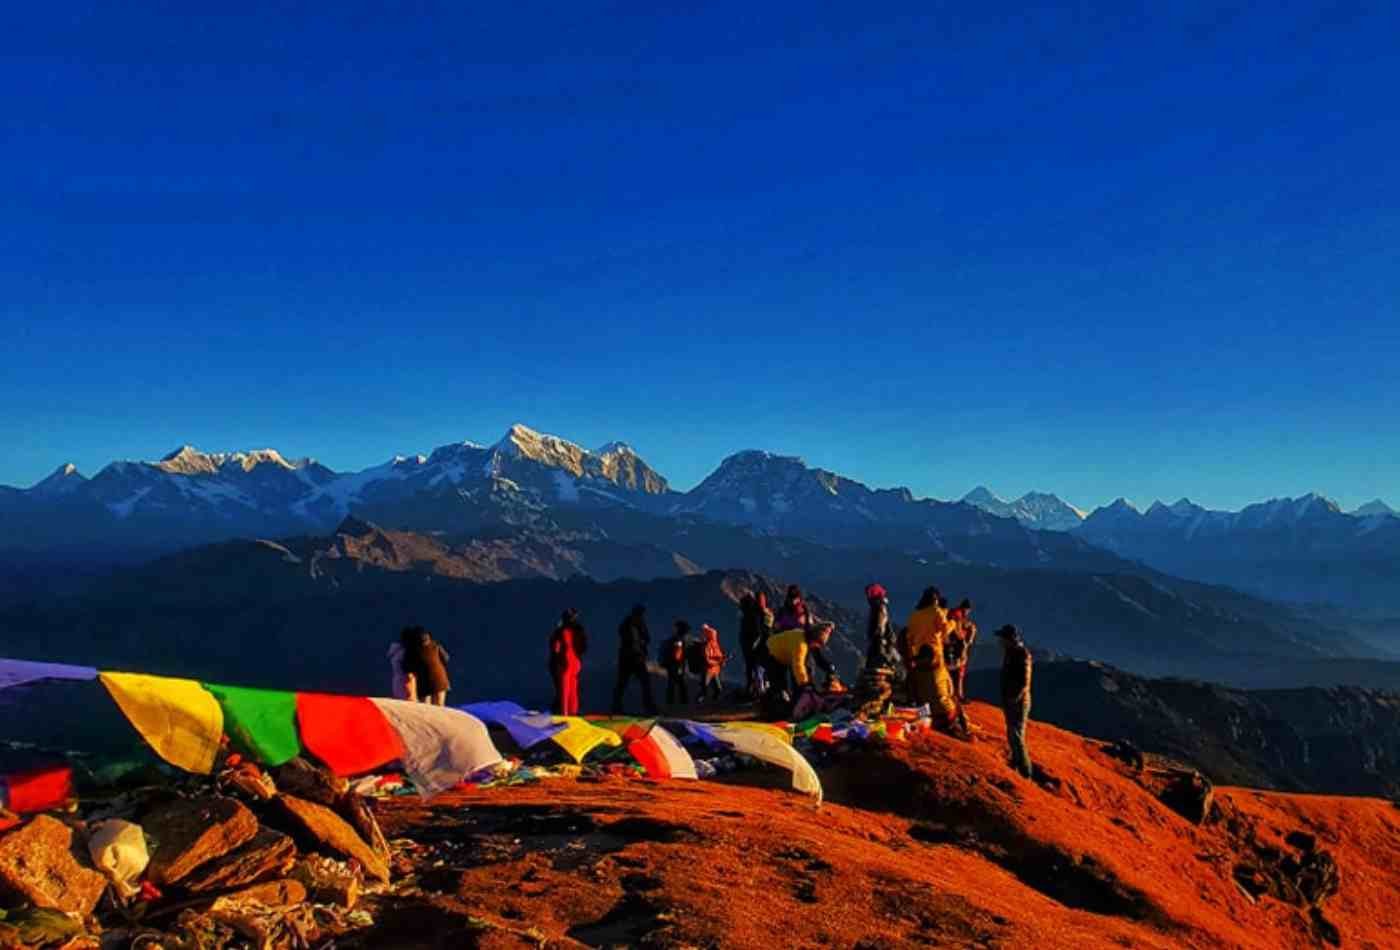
point(180, 720)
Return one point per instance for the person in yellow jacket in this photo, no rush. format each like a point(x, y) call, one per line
point(785, 662)
point(929, 680)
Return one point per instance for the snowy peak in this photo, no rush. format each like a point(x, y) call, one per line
point(982, 496)
point(62, 481)
point(1039, 510)
point(188, 460)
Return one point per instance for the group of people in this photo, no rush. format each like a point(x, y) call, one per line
point(933, 650)
point(927, 658)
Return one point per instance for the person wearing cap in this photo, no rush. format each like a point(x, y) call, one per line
point(633, 647)
point(714, 663)
point(1016, 696)
point(880, 649)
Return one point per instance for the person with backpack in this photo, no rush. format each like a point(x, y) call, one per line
point(425, 661)
point(567, 645)
point(633, 648)
point(881, 650)
point(713, 658)
point(673, 660)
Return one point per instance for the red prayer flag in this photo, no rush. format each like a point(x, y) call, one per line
point(348, 733)
point(40, 789)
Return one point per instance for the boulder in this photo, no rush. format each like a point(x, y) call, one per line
point(39, 864)
point(356, 809)
point(329, 832)
point(189, 833)
point(268, 854)
point(311, 782)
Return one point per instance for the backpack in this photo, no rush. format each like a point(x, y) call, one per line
point(671, 653)
point(695, 659)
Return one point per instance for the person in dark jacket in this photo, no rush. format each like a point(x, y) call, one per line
point(633, 648)
point(1016, 695)
point(755, 626)
point(567, 644)
point(673, 657)
point(794, 613)
point(426, 661)
point(881, 650)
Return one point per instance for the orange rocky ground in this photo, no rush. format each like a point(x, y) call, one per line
point(934, 844)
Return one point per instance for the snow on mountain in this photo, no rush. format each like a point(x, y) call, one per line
point(62, 481)
point(1039, 510)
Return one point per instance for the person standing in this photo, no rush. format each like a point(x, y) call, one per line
point(633, 648)
point(401, 684)
point(880, 650)
point(714, 664)
point(1016, 696)
point(755, 626)
point(567, 645)
point(673, 651)
point(425, 661)
point(966, 630)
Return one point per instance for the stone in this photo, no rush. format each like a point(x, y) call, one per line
point(329, 882)
point(283, 893)
point(268, 854)
point(311, 782)
point(39, 863)
point(191, 832)
point(333, 833)
point(251, 781)
point(357, 810)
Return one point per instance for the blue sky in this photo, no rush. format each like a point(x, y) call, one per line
point(1134, 251)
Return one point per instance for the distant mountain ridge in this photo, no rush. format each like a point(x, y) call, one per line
point(1039, 510)
point(1298, 549)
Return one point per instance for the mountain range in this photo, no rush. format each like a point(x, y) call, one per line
point(550, 489)
point(1297, 549)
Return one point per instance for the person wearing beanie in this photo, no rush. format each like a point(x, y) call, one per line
point(1016, 696)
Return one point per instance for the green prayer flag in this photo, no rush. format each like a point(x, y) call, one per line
point(260, 723)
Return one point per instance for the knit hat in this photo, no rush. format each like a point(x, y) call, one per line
point(875, 592)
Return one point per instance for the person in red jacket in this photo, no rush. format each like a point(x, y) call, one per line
point(714, 664)
point(566, 648)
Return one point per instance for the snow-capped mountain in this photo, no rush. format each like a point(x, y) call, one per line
point(190, 496)
point(1303, 548)
point(1039, 510)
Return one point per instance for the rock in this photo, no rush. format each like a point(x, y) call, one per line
point(191, 832)
point(283, 893)
point(1190, 795)
point(39, 864)
point(311, 782)
point(268, 854)
point(1301, 840)
point(251, 781)
point(356, 809)
point(329, 882)
point(333, 833)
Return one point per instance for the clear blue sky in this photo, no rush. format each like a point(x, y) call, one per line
point(1150, 250)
